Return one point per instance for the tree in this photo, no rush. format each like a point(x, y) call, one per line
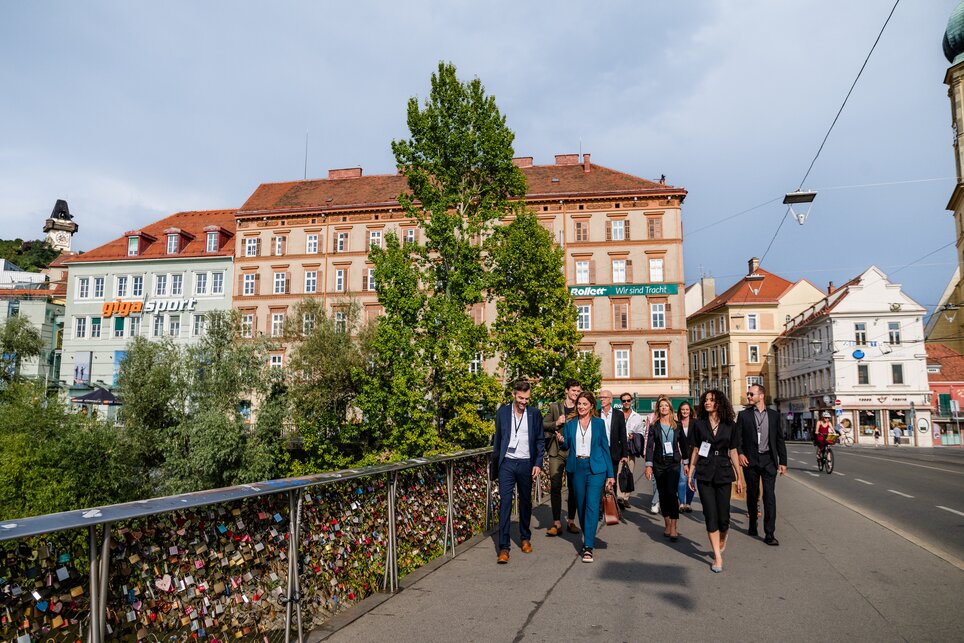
point(535, 329)
point(19, 340)
point(32, 256)
point(458, 164)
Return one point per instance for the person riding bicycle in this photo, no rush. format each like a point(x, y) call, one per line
point(824, 428)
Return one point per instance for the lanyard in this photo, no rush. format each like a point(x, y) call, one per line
point(584, 431)
point(518, 425)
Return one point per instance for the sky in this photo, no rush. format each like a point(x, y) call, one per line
point(134, 110)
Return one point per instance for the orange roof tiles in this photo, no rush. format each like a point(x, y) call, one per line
point(192, 223)
point(383, 190)
point(771, 288)
point(951, 363)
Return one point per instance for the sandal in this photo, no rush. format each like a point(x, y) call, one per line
point(587, 555)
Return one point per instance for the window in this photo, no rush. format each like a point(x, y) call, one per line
point(160, 285)
point(723, 357)
point(341, 242)
point(654, 227)
point(370, 279)
point(655, 269)
point(754, 380)
point(693, 362)
point(251, 247)
point(83, 288)
point(158, 328)
point(174, 325)
point(619, 271)
point(247, 288)
point(121, 286)
point(307, 323)
point(172, 244)
point(133, 245)
point(726, 387)
point(135, 326)
point(279, 246)
point(217, 283)
point(409, 235)
point(621, 316)
point(713, 358)
point(212, 242)
point(863, 374)
point(582, 231)
point(80, 328)
point(582, 272)
point(618, 230)
point(340, 321)
point(476, 364)
point(712, 327)
point(280, 283)
point(311, 281)
point(751, 322)
point(753, 354)
point(247, 325)
point(99, 287)
point(311, 245)
point(119, 326)
point(137, 286)
point(177, 285)
point(95, 327)
point(198, 329)
point(584, 317)
point(277, 324)
point(702, 359)
point(893, 332)
point(660, 363)
point(703, 330)
point(897, 373)
point(657, 315)
point(860, 333)
point(722, 323)
point(276, 361)
point(374, 238)
point(340, 280)
point(621, 362)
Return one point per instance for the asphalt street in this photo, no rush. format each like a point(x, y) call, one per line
point(919, 492)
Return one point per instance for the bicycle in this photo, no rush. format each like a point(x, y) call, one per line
point(846, 438)
point(825, 457)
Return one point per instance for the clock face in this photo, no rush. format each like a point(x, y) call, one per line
point(62, 238)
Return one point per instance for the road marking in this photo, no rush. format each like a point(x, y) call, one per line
point(910, 464)
point(953, 511)
point(841, 474)
point(864, 481)
point(815, 475)
point(800, 461)
point(899, 493)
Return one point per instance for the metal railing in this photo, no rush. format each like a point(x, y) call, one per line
point(216, 565)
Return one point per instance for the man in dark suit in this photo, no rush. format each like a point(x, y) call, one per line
point(616, 425)
point(520, 446)
point(763, 455)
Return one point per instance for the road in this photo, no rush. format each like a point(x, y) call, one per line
point(918, 492)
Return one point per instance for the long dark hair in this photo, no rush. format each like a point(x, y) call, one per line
point(723, 407)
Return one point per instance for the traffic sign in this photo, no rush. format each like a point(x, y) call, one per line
point(839, 412)
point(838, 403)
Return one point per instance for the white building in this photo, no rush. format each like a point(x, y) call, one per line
point(858, 354)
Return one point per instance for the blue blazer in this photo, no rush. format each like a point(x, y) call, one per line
point(504, 425)
point(600, 460)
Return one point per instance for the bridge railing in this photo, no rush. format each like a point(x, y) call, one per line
point(217, 565)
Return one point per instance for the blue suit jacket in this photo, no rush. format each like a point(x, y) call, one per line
point(600, 460)
point(504, 424)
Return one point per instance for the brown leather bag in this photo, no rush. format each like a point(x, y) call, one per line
point(610, 509)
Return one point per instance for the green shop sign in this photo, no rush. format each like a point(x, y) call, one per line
point(623, 290)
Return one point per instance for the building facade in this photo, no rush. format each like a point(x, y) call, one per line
point(157, 281)
point(622, 237)
point(730, 338)
point(858, 354)
point(945, 373)
point(45, 313)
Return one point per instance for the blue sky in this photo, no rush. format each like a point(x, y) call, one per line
point(134, 110)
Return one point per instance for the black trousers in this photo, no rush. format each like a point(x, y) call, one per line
point(667, 485)
point(557, 469)
point(768, 474)
point(715, 499)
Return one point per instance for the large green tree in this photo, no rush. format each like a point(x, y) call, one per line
point(32, 256)
point(19, 340)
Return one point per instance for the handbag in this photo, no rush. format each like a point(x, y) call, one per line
point(610, 510)
point(626, 483)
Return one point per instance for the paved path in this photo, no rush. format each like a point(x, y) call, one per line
point(836, 576)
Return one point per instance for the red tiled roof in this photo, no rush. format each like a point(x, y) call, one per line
point(383, 190)
point(771, 288)
point(951, 362)
point(822, 308)
point(190, 222)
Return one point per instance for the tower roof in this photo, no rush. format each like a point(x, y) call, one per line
point(954, 36)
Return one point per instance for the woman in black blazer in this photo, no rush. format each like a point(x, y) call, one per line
point(714, 438)
point(665, 450)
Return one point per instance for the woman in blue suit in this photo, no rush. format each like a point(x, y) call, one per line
point(590, 464)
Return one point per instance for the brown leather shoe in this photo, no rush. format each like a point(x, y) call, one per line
point(526, 547)
point(552, 531)
point(572, 528)
point(503, 557)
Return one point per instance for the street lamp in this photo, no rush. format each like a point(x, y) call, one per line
point(800, 197)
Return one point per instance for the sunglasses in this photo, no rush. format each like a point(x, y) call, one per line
point(626, 400)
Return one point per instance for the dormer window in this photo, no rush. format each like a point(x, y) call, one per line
point(172, 244)
point(133, 246)
point(212, 243)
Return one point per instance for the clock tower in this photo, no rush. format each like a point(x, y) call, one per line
point(60, 227)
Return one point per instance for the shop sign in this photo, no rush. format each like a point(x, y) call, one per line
point(118, 308)
point(624, 290)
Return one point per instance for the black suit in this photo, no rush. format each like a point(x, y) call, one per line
point(618, 448)
point(761, 465)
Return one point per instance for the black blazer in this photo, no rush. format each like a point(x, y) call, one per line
point(746, 423)
point(655, 453)
point(716, 467)
point(617, 436)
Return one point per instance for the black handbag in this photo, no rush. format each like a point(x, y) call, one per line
point(626, 483)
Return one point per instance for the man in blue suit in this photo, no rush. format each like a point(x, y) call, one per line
point(520, 447)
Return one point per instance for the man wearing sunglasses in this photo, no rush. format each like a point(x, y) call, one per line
point(763, 455)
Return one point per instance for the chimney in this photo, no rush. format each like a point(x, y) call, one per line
point(345, 173)
point(753, 264)
point(830, 288)
point(522, 161)
point(567, 159)
point(708, 286)
point(586, 165)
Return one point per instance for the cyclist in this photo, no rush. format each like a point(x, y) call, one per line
point(820, 433)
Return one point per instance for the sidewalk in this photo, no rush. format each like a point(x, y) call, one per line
point(836, 575)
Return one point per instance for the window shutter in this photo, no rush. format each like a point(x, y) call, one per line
point(609, 231)
point(592, 271)
point(629, 271)
point(241, 284)
point(368, 242)
point(257, 283)
point(257, 249)
point(287, 282)
point(626, 229)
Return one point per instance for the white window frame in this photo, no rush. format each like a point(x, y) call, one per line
point(174, 325)
point(897, 369)
point(96, 327)
point(83, 288)
point(157, 329)
point(277, 324)
point(752, 321)
point(172, 244)
point(584, 317)
point(374, 239)
point(280, 281)
point(137, 286)
point(177, 284)
point(475, 365)
point(98, 287)
point(656, 272)
point(621, 363)
point(341, 320)
point(276, 361)
point(198, 325)
point(247, 284)
point(619, 271)
point(723, 356)
point(160, 285)
point(251, 247)
point(339, 280)
point(80, 327)
point(893, 333)
point(341, 241)
point(657, 315)
point(118, 333)
point(582, 272)
point(409, 236)
point(660, 361)
point(212, 242)
point(135, 327)
point(311, 281)
point(120, 286)
point(217, 283)
point(307, 323)
point(618, 230)
point(311, 244)
point(753, 353)
point(279, 246)
point(133, 246)
point(247, 325)
point(370, 279)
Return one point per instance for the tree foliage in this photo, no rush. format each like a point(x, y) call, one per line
point(32, 256)
point(19, 340)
